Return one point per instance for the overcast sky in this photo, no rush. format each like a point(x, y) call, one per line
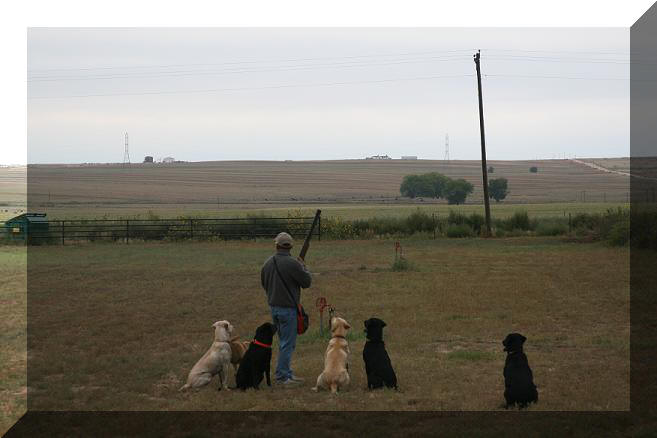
point(325, 93)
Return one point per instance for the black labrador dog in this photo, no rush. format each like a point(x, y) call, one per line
point(257, 359)
point(518, 378)
point(377, 362)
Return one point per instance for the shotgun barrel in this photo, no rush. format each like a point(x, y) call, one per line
point(306, 243)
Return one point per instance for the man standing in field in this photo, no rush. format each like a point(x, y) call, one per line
point(282, 277)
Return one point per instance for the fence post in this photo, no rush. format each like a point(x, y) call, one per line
point(127, 230)
point(319, 228)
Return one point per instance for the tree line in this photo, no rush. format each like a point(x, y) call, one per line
point(455, 191)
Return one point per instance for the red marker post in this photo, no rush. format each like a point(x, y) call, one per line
point(320, 303)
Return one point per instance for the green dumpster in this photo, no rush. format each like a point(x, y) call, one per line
point(31, 227)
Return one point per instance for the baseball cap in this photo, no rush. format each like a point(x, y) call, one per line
point(284, 240)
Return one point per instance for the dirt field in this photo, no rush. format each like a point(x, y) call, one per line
point(119, 326)
point(308, 181)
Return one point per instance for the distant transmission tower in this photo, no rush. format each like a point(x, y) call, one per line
point(447, 147)
point(126, 153)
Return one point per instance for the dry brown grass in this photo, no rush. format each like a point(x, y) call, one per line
point(13, 356)
point(117, 327)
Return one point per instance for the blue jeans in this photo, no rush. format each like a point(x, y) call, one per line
point(285, 319)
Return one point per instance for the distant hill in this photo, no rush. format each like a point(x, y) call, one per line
point(312, 181)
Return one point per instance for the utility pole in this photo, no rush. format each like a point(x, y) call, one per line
point(484, 167)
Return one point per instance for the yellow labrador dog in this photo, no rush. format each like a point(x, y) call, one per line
point(214, 361)
point(336, 368)
point(237, 348)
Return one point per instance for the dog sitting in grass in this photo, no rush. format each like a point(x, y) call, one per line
point(238, 349)
point(377, 362)
point(214, 361)
point(518, 378)
point(257, 359)
point(336, 368)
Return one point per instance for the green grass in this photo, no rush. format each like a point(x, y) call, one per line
point(119, 326)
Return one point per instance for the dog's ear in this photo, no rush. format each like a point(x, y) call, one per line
point(216, 323)
point(383, 323)
point(522, 339)
point(366, 322)
point(346, 325)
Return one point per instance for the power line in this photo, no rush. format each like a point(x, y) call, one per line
point(214, 90)
point(566, 77)
point(572, 52)
point(146, 75)
point(253, 61)
point(220, 72)
point(383, 55)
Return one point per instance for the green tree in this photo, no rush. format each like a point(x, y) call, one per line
point(430, 185)
point(438, 183)
point(416, 185)
point(457, 190)
point(498, 189)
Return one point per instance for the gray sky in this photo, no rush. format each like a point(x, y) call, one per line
point(325, 93)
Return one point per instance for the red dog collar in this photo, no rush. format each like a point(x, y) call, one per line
point(261, 344)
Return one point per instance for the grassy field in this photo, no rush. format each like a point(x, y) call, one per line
point(117, 327)
point(13, 355)
point(344, 211)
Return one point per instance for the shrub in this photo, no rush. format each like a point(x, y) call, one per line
point(336, 228)
point(533, 169)
point(476, 221)
point(419, 221)
point(643, 227)
point(456, 218)
point(619, 234)
point(551, 229)
point(586, 221)
point(615, 227)
point(401, 264)
point(518, 221)
point(380, 226)
point(462, 230)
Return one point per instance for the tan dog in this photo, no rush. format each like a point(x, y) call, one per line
point(237, 348)
point(214, 361)
point(336, 368)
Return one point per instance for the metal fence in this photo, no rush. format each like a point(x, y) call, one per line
point(127, 230)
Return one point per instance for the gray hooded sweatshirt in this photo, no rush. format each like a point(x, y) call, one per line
point(294, 274)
